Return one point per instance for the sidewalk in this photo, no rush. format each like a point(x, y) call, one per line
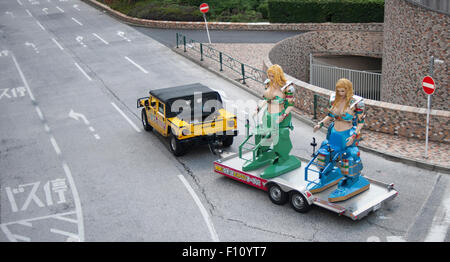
point(408, 150)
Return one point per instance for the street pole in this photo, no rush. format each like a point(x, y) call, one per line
point(207, 31)
point(428, 108)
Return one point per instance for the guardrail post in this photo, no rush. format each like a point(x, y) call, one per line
point(220, 58)
point(184, 43)
point(243, 73)
point(201, 52)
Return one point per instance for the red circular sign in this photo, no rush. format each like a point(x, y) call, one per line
point(204, 8)
point(428, 85)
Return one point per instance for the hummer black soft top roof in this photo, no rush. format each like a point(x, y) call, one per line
point(169, 94)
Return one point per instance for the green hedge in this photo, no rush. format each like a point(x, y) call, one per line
point(320, 11)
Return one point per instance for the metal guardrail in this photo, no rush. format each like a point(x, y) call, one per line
point(206, 50)
point(365, 84)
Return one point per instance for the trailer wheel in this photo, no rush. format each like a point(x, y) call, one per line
point(277, 195)
point(299, 202)
point(145, 124)
point(176, 147)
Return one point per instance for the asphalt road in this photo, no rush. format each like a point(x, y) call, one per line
point(77, 166)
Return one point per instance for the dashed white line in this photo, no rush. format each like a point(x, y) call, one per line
point(20, 3)
point(55, 145)
point(136, 65)
point(82, 71)
point(39, 112)
point(101, 39)
point(56, 42)
point(205, 214)
point(76, 21)
point(126, 118)
point(60, 9)
point(40, 25)
point(28, 12)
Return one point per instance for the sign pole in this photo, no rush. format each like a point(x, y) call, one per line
point(207, 31)
point(428, 109)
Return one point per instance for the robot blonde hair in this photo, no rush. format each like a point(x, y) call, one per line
point(278, 74)
point(348, 86)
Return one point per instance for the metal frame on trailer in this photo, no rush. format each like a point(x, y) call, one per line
point(292, 187)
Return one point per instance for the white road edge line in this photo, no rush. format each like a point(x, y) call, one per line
point(126, 117)
point(76, 21)
point(82, 71)
point(76, 197)
point(136, 65)
point(101, 39)
point(205, 214)
point(56, 42)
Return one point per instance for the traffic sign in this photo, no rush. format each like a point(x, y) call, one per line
point(428, 85)
point(204, 8)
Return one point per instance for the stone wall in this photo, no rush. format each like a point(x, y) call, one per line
point(401, 120)
point(293, 53)
point(412, 34)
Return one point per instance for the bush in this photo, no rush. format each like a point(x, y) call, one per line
point(319, 11)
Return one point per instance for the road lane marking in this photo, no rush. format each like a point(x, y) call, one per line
point(20, 3)
point(64, 233)
point(205, 214)
point(40, 25)
point(136, 65)
point(28, 12)
point(441, 221)
point(82, 71)
point(39, 112)
point(56, 42)
point(76, 21)
point(101, 39)
point(126, 117)
point(55, 145)
point(76, 197)
point(60, 9)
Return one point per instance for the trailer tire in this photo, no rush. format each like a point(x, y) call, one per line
point(277, 195)
point(145, 124)
point(298, 202)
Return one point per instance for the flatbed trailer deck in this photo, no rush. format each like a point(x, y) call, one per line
point(292, 187)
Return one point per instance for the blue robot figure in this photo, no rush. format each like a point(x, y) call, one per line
point(338, 157)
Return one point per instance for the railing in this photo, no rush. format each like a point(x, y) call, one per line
point(435, 5)
point(206, 50)
point(365, 84)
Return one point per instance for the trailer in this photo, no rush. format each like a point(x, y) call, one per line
point(292, 187)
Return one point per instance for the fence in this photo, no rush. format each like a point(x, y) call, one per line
point(365, 84)
point(436, 5)
point(245, 71)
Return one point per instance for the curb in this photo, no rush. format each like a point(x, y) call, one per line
point(387, 155)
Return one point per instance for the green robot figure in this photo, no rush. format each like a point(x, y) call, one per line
point(272, 141)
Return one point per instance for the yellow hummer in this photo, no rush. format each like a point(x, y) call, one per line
point(190, 115)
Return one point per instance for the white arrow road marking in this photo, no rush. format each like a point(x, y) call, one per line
point(9, 13)
point(203, 211)
point(77, 117)
point(122, 34)
point(68, 173)
point(32, 46)
point(80, 41)
point(76, 7)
